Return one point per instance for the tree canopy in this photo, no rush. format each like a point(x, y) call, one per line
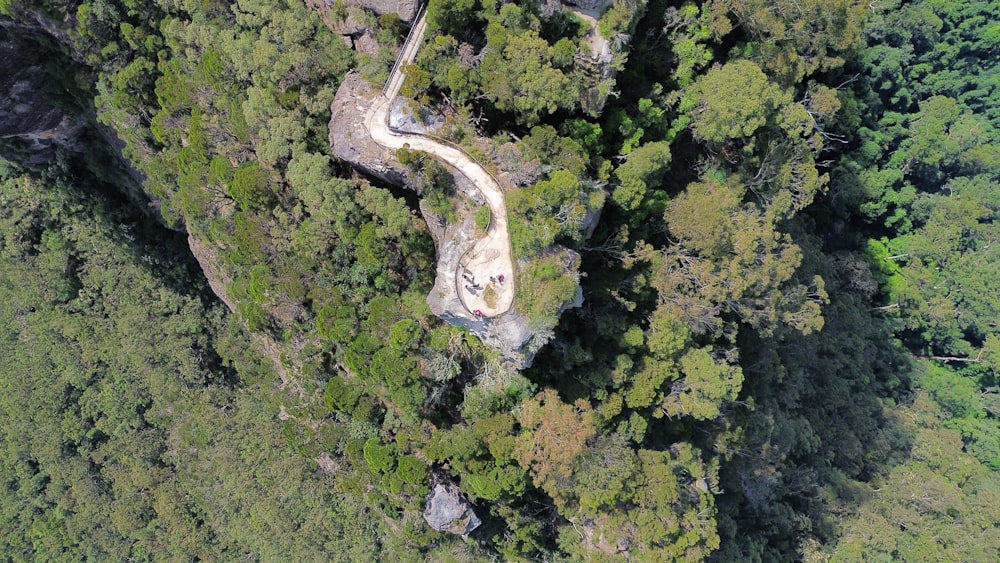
point(780, 218)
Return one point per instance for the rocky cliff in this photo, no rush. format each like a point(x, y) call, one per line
point(46, 116)
point(34, 121)
point(406, 9)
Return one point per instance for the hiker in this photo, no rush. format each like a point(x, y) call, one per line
point(469, 289)
point(477, 313)
point(500, 277)
point(492, 279)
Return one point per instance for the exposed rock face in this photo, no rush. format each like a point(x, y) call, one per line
point(218, 279)
point(404, 117)
point(43, 112)
point(28, 116)
point(349, 139)
point(357, 36)
point(208, 258)
point(406, 9)
point(448, 511)
point(598, 6)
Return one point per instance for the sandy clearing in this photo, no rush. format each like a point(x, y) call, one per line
point(596, 42)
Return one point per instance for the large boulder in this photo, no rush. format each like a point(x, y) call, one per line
point(407, 9)
point(350, 140)
point(448, 511)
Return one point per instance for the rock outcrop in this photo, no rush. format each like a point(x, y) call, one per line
point(406, 9)
point(598, 6)
point(349, 139)
point(218, 278)
point(357, 35)
point(44, 113)
point(511, 333)
point(447, 510)
point(31, 119)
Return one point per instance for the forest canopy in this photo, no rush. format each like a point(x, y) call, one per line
point(782, 214)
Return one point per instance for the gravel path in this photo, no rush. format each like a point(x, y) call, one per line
point(489, 256)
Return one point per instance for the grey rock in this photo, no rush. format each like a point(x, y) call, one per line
point(406, 9)
point(357, 35)
point(447, 510)
point(598, 6)
point(349, 139)
point(28, 115)
point(405, 117)
point(43, 113)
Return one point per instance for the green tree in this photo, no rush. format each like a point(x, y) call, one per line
point(732, 101)
point(518, 76)
point(554, 436)
point(646, 166)
point(381, 459)
point(796, 39)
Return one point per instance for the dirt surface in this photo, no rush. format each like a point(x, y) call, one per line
point(598, 44)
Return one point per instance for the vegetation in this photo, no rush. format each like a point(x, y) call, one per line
point(788, 349)
point(135, 417)
point(483, 218)
point(547, 287)
point(434, 182)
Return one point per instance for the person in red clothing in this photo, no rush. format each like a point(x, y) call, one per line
point(477, 313)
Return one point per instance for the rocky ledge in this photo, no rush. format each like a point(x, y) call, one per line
point(510, 333)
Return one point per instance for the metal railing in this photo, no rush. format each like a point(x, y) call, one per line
point(406, 43)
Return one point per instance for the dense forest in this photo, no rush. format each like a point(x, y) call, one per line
point(789, 345)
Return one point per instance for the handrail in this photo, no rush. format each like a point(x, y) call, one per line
point(503, 196)
point(402, 49)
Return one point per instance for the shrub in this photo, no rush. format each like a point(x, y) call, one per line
point(380, 459)
point(255, 316)
point(338, 324)
point(411, 470)
point(392, 369)
point(249, 187)
point(483, 216)
point(543, 286)
point(404, 335)
point(340, 395)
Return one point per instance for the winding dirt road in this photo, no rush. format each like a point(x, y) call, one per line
point(490, 256)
